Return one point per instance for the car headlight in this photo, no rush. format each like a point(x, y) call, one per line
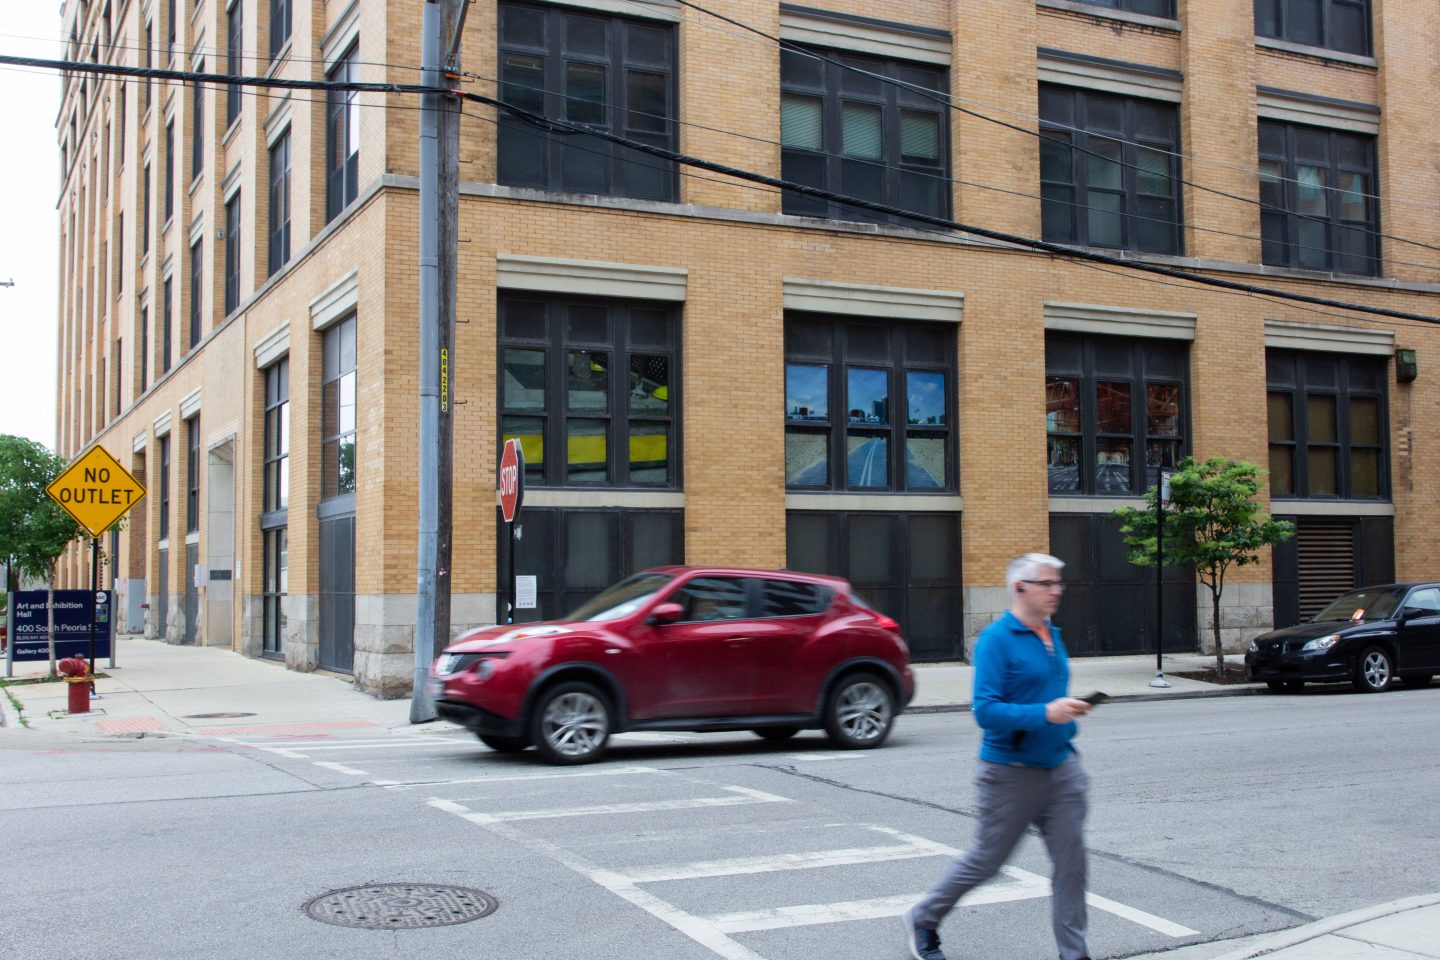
point(1321, 643)
point(1254, 647)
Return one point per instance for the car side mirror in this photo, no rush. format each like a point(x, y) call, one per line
point(1412, 613)
point(665, 613)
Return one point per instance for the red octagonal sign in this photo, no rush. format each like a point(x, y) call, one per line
point(512, 480)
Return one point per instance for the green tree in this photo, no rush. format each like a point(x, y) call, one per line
point(34, 530)
point(1212, 523)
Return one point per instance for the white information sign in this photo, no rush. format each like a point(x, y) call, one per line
point(525, 593)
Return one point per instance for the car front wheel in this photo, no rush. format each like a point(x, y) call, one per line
point(571, 724)
point(860, 712)
point(1374, 672)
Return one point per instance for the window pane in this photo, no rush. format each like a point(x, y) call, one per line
point(1310, 185)
point(1364, 420)
point(649, 452)
point(648, 45)
point(1162, 453)
point(525, 319)
point(346, 421)
point(1154, 172)
point(649, 384)
point(1347, 28)
point(926, 398)
point(1103, 219)
point(867, 460)
point(807, 392)
point(868, 395)
point(645, 95)
point(1321, 467)
point(1281, 408)
point(588, 460)
point(523, 81)
point(588, 324)
point(585, 92)
point(801, 69)
point(1063, 460)
point(1112, 407)
point(524, 26)
point(1102, 164)
point(713, 598)
point(1112, 466)
point(345, 477)
point(524, 382)
point(1282, 471)
point(860, 131)
point(919, 137)
point(1057, 215)
point(1062, 405)
point(1353, 187)
point(1314, 246)
point(530, 431)
point(800, 122)
point(1321, 413)
point(1162, 409)
point(807, 458)
point(924, 462)
point(1055, 158)
point(1303, 21)
point(1365, 473)
point(1272, 183)
point(785, 598)
point(587, 381)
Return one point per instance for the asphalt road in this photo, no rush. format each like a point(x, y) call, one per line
point(1211, 820)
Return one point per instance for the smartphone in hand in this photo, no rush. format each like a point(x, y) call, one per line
point(1094, 699)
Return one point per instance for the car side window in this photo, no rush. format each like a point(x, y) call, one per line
point(788, 598)
point(712, 598)
point(1426, 600)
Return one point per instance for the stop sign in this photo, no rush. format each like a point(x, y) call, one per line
point(512, 480)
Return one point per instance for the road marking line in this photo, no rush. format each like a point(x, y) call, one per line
point(744, 796)
point(696, 928)
point(737, 866)
point(828, 756)
point(278, 751)
point(605, 772)
point(350, 744)
point(420, 745)
point(341, 768)
point(811, 914)
point(1134, 915)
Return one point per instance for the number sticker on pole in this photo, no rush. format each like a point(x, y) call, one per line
point(511, 480)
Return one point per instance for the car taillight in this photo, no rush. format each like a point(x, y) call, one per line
point(885, 622)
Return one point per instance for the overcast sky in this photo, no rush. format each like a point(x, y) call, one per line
point(29, 232)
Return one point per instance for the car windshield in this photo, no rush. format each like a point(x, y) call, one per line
point(1360, 605)
point(621, 600)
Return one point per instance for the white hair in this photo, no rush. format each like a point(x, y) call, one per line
point(1025, 568)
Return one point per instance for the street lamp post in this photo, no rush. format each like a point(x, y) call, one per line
point(1162, 498)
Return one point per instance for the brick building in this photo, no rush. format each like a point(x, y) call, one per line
point(702, 369)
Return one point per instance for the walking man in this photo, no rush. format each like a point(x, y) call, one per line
point(1028, 771)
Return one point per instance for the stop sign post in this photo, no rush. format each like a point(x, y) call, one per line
point(511, 484)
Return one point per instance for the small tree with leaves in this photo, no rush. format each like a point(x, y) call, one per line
point(1212, 523)
point(34, 530)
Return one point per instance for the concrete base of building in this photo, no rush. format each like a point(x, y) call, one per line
point(302, 632)
point(385, 637)
point(982, 605)
point(1246, 611)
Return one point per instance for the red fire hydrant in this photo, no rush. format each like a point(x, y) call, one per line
point(77, 676)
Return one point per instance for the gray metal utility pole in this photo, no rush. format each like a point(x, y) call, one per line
point(439, 212)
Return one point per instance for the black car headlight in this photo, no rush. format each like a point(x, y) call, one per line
point(1254, 647)
point(1320, 644)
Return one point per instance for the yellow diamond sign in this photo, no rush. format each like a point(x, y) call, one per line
point(96, 491)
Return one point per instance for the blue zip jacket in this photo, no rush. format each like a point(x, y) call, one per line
point(1014, 678)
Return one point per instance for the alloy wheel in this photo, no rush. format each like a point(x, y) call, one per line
point(1376, 670)
point(575, 724)
point(863, 711)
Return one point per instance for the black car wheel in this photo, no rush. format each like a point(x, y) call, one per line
point(1417, 680)
point(1374, 672)
point(571, 724)
point(1285, 686)
point(859, 712)
point(503, 744)
point(775, 733)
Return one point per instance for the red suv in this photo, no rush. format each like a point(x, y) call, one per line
point(682, 648)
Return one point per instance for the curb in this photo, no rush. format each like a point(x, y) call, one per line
point(1310, 931)
point(1245, 691)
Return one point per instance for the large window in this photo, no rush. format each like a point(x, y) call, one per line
point(166, 322)
point(1328, 431)
point(234, 60)
point(338, 408)
point(145, 213)
point(1342, 25)
point(197, 294)
point(233, 253)
point(597, 380)
point(280, 203)
point(1154, 8)
point(861, 136)
point(614, 74)
point(342, 137)
point(275, 502)
point(276, 583)
point(1115, 409)
point(165, 487)
point(868, 406)
point(192, 475)
point(1318, 209)
point(1109, 170)
point(279, 26)
point(167, 188)
point(144, 357)
point(197, 129)
point(277, 437)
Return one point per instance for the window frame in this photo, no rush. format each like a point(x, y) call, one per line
point(1290, 187)
point(1280, 11)
point(233, 252)
point(168, 185)
point(166, 323)
point(1300, 391)
point(197, 290)
point(274, 500)
point(621, 348)
point(144, 357)
point(148, 213)
point(275, 545)
point(280, 16)
point(1091, 372)
point(279, 248)
point(1128, 6)
point(893, 101)
point(1075, 137)
point(334, 370)
point(197, 129)
point(192, 474)
point(164, 518)
point(342, 117)
point(234, 59)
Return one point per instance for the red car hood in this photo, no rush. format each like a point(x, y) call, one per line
point(506, 635)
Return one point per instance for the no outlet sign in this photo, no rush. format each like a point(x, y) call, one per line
point(511, 480)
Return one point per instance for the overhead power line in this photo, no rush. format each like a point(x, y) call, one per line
point(1043, 246)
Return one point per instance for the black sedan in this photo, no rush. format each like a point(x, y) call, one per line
point(1367, 637)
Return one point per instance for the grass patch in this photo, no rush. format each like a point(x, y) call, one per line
point(26, 681)
point(19, 708)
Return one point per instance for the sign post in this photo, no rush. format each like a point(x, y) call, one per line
point(512, 495)
point(97, 491)
point(1162, 500)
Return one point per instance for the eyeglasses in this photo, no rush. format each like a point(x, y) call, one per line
point(1047, 584)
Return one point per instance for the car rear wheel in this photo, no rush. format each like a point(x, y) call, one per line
point(775, 733)
point(1373, 672)
point(1285, 686)
point(860, 712)
point(1417, 680)
point(571, 724)
point(503, 744)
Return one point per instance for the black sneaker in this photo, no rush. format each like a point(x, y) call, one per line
point(924, 944)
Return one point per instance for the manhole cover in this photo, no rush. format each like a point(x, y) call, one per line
point(401, 906)
point(216, 716)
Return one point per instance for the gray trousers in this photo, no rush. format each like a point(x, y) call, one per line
point(1010, 799)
